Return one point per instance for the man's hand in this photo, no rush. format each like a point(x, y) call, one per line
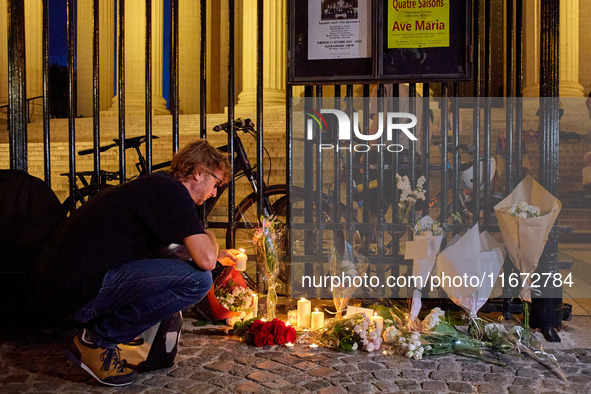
point(228, 257)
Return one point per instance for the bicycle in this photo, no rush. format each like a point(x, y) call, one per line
point(91, 185)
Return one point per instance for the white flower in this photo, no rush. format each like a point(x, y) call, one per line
point(362, 334)
point(411, 347)
point(355, 346)
point(369, 347)
point(390, 334)
point(357, 328)
point(418, 355)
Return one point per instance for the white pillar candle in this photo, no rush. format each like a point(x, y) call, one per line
point(304, 312)
point(379, 322)
point(292, 318)
point(241, 261)
point(317, 319)
point(255, 305)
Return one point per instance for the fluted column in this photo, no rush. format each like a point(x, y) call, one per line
point(189, 50)
point(135, 34)
point(274, 53)
point(33, 55)
point(3, 56)
point(84, 55)
point(569, 48)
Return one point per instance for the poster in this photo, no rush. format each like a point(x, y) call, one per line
point(418, 23)
point(339, 29)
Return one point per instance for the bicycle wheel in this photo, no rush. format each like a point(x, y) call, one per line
point(246, 214)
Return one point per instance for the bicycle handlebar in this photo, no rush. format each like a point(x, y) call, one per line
point(450, 146)
point(238, 123)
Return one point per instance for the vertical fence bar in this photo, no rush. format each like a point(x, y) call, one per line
point(518, 88)
point(366, 126)
point(309, 242)
point(203, 73)
point(455, 110)
point(231, 188)
point(17, 89)
point(288, 175)
point(476, 115)
point(336, 162)
point(349, 163)
point(148, 86)
point(174, 73)
point(444, 127)
point(510, 93)
point(487, 110)
point(259, 108)
point(46, 114)
point(71, 103)
point(412, 107)
point(121, 90)
point(394, 104)
point(426, 141)
point(319, 178)
point(547, 311)
point(96, 125)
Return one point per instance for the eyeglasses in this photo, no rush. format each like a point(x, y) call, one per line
point(219, 181)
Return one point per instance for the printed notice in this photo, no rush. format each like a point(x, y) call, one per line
point(418, 23)
point(339, 29)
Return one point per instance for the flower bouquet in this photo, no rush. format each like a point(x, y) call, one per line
point(267, 240)
point(525, 218)
point(265, 333)
point(346, 264)
point(235, 298)
point(350, 333)
point(423, 249)
point(408, 196)
point(478, 258)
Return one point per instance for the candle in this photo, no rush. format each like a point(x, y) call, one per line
point(313, 346)
point(317, 319)
point(379, 322)
point(255, 305)
point(241, 261)
point(289, 345)
point(304, 312)
point(292, 318)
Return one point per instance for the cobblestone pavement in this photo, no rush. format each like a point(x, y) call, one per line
point(210, 361)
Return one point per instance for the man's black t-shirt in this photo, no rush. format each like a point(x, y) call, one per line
point(121, 224)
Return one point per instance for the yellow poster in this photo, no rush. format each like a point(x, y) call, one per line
point(418, 23)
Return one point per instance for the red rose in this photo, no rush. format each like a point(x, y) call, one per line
point(267, 328)
point(270, 340)
point(256, 326)
point(259, 340)
point(290, 335)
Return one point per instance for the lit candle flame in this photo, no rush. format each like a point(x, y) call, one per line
point(289, 344)
point(242, 250)
point(287, 323)
point(313, 345)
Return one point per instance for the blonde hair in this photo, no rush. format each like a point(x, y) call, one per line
point(588, 155)
point(199, 156)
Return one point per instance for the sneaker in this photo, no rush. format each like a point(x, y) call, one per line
point(105, 365)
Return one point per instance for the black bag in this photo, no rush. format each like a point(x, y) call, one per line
point(155, 348)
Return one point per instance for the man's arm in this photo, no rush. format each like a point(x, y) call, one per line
point(203, 249)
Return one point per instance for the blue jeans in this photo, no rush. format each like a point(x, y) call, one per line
point(139, 294)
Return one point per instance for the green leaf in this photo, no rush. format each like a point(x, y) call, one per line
point(445, 328)
point(200, 323)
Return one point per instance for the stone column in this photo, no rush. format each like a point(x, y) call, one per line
point(84, 55)
point(33, 56)
point(135, 50)
point(3, 57)
point(569, 48)
point(189, 55)
point(274, 53)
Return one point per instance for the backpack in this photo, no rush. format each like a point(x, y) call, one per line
point(156, 347)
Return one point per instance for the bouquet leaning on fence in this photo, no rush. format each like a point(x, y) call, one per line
point(423, 249)
point(346, 264)
point(267, 239)
point(525, 218)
